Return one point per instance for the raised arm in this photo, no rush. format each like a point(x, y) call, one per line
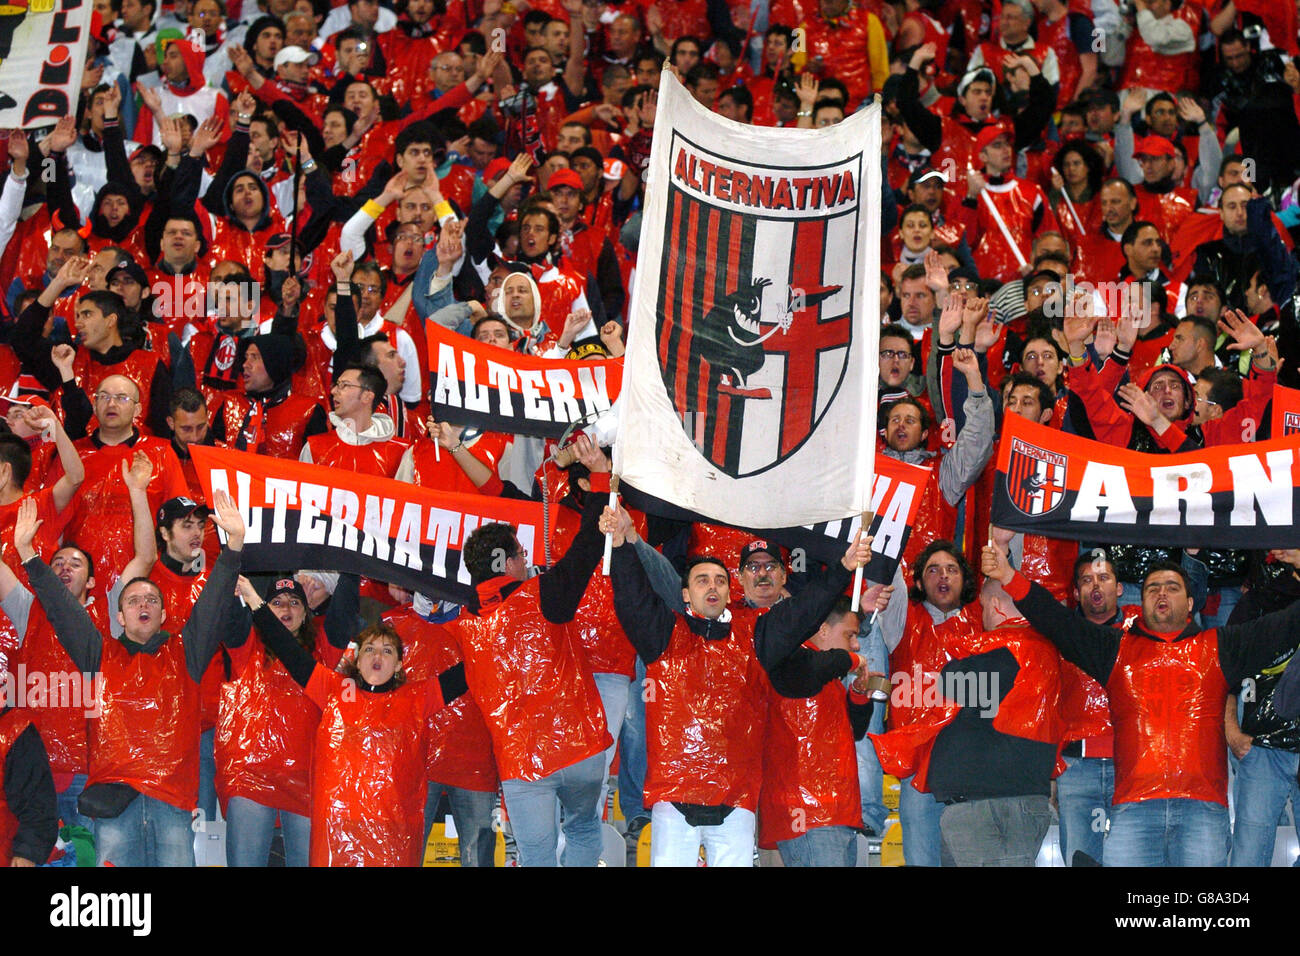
point(790, 623)
point(47, 423)
point(143, 536)
point(1093, 647)
point(644, 615)
point(344, 611)
point(72, 625)
point(561, 589)
point(276, 636)
point(216, 615)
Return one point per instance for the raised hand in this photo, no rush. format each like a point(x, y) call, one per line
point(206, 136)
point(63, 135)
point(1245, 333)
point(964, 361)
point(936, 276)
point(994, 564)
point(341, 266)
point(25, 527)
point(1143, 406)
point(138, 475)
point(858, 554)
point(950, 318)
point(228, 519)
point(62, 356)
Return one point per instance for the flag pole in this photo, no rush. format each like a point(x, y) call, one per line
point(609, 535)
point(871, 319)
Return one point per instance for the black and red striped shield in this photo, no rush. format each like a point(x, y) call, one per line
point(1035, 478)
point(754, 328)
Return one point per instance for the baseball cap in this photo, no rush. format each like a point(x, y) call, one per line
point(132, 270)
point(1104, 98)
point(988, 135)
point(278, 241)
point(296, 54)
point(1153, 146)
point(565, 177)
point(495, 168)
point(923, 174)
point(286, 586)
point(979, 73)
point(174, 509)
point(758, 544)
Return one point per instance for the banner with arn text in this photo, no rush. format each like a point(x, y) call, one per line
point(749, 390)
point(895, 498)
point(500, 390)
point(42, 56)
point(308, 516)
point(1063, 486)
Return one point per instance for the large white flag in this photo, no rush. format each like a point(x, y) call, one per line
point(42, 55)
point(749, 388)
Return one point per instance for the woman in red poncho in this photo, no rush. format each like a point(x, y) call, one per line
point(368, 787)
point(267, 724)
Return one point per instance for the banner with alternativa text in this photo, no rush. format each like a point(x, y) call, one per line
point(749, 391)
point(895, 498)
point(1063, 486)
point(42, 56)
point(500, 390)
point(308, 516)
point(1286, 412)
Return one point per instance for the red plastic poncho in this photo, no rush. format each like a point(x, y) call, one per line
point(367, 779)
point(140, 367)
point(12, 725)
point(532, 685)
point(1030, 709)
point(1016, 200)
point(147, 734)
point(279, 431)
point(919, 657)
point(595, 626)
point(460, 747)
point(264, 736)
point(810, 767)
point(1166, 702)
point(935, 520)
point(101, 510)
point(706, 712)
point(61, 715)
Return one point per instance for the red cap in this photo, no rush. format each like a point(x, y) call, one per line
point(988, 134)
point(565, 177)
point(1154, 146)
point(495, 168)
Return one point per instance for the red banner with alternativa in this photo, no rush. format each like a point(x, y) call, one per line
point(308, 516)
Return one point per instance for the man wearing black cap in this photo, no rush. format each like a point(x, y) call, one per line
point(270, 419)
point(762, 574)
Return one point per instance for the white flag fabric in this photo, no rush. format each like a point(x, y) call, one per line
point(42, 55)
point(749, 388)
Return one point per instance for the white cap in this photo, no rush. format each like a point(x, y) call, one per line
point(295, 54)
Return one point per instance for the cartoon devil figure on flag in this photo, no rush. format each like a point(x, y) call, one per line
point(762, 307)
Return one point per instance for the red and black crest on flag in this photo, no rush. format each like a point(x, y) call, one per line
point(1035, 478)
point(754, 318)
point(1290, 423)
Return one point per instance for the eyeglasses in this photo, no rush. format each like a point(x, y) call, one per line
point(755, 567)
point(118, 399)
point(350, 385)
point(371, 289)
point(147, 600)
point(894, 354)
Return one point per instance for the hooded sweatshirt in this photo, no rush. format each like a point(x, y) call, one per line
point(196, 97)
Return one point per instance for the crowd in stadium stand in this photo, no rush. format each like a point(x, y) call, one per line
point(236, 239)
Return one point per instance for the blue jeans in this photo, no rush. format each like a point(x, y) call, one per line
point(531, 805)
point(919, 814)
point(631, 759)
point(471, 811)
point(1083, 794)
point(250, 827)
point(871, 776)
point(208, 773)
point(614, 690)
point(147, 833)
point(68, 812)
point(821, 846)
point(1173, 832)
point(1266, 776)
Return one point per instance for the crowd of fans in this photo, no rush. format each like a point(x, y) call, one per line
point(238, 236)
